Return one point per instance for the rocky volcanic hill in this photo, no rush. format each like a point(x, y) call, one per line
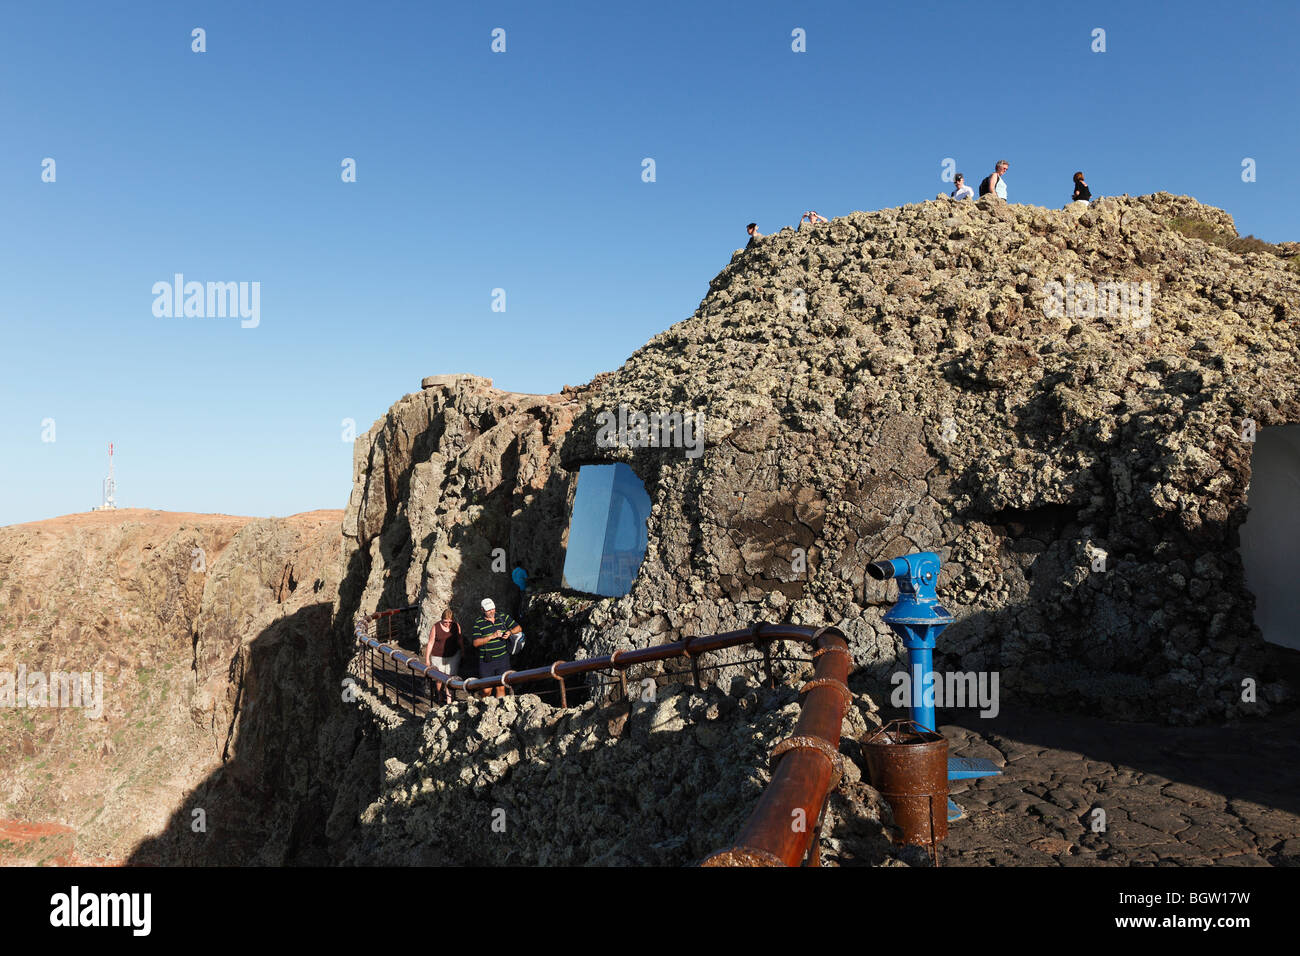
point(934, 377)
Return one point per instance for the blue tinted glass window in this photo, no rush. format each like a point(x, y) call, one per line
point(607, 530)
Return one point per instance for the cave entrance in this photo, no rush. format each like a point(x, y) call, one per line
point(1270, 538)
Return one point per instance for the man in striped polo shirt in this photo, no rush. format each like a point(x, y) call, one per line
point(491, 636)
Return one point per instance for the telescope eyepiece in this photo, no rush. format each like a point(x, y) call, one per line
point(881, 570)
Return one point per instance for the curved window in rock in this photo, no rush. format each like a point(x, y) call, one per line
point(1270, 538)
point(607, 530)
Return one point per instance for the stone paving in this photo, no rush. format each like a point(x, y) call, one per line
point(1226, 795)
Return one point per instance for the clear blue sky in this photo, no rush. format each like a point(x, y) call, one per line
point(519, 171)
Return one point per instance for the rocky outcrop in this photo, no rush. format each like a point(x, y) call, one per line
point(453, 487)
point(665, 782)
point(1054, 400)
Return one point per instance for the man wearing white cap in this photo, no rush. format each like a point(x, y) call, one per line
point(491, 635)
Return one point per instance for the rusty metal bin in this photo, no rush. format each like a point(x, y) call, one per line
point(908, 764)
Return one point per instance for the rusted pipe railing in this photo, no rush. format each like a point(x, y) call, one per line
point(626, 657)
point(783, 828)
point(785, 824)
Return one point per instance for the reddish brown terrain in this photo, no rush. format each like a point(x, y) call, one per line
point(164, 607)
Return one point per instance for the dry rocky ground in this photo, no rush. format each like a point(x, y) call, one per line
point(165, 606)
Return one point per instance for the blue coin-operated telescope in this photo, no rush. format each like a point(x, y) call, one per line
point(918, 618)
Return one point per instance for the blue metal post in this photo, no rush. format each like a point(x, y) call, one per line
point(920, 664)
point(917, 618)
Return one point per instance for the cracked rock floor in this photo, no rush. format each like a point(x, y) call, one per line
point(1189, 796)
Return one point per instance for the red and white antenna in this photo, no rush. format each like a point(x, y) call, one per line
point(110, 485)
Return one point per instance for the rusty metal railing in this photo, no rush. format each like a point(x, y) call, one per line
point(809, 765)
point(777, 832)
point(619, 661)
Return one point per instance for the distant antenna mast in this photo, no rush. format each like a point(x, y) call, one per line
point(110, 486)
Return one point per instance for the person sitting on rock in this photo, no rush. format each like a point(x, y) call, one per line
point(813, 217)
point(442, 652)
point(491, 635)
point(994, 183)
point(754, 235)
point(961, 190)
point(1081, 191)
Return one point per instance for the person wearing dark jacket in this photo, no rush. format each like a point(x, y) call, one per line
point(1081, 191)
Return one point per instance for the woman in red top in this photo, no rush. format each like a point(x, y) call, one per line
point(442, 652)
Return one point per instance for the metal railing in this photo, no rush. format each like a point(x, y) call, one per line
point(376, 632)
point(777, 832)
point(809, 765)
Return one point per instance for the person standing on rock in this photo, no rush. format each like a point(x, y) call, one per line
point(491, 635)
point(993, 182)
point(442, 651)
point(754, 235)
point(961, 190)
point(1081, 191)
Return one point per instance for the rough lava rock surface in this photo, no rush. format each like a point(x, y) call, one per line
point(666, 782)
point(888, 382)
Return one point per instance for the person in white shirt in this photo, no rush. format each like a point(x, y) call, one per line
point(962, 191)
